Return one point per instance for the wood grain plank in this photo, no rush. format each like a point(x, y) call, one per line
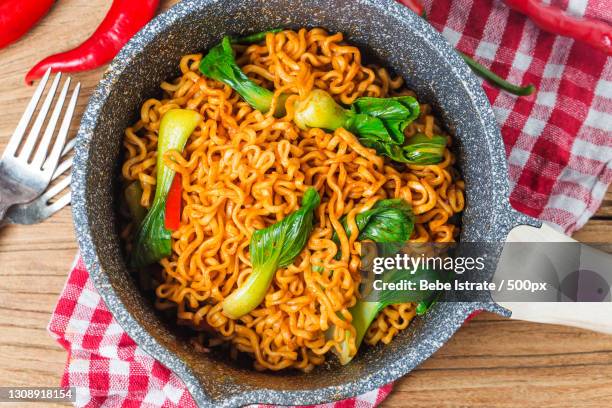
point(530, 387)
point(491, 361)
point(595, 231)
point(504, 363)
point(605, 211)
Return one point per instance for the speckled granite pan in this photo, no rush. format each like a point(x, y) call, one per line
point(389, 33)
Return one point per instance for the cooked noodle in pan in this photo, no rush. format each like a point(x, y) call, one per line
point(244, 170)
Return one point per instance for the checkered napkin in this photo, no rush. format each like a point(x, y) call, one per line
point(559, 140)
point(559, 149)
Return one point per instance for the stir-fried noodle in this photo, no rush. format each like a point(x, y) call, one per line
point(243, 170)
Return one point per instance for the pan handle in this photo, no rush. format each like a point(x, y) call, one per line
point(590, 316)
point(544, 233)
point(586, 315)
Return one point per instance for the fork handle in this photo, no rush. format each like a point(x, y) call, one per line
point(4, 206)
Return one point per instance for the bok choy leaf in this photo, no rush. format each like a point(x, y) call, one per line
point(395, 113)
point(389, 221)
point(379, 123)
point(152, 238)
point(132, 195)
point(272, 248)
point(220, 64)
point(421, 149)
point(254, 38)
point(365, 311)
point(380, 120)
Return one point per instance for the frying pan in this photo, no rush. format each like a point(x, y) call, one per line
point(388, 33)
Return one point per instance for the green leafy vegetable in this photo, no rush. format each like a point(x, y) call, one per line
point(220, 64)
point(133, 194)
point(395, 113)
point(424, 305)
point(379, 123)
point(254, 38)
point(371, 119)
point(320, 110)
point(272, 248)
point(365, 310)
point(152, 238)
point(389, 221)
point(421, 149)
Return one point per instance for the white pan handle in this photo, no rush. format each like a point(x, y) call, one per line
point(591, 316)
point(546, 233)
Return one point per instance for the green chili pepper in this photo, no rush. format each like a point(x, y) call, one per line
point(495, 80)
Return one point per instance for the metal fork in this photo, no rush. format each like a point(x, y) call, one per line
point(42, 208)
point(23, 177)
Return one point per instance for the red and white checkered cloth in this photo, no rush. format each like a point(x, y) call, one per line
point(559, 149)
point(559, 140)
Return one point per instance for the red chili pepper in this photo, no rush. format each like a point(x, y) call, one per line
point(172, 220)
point(414, 5)
point(17, 17)
point(122, 21)
point(554, 20)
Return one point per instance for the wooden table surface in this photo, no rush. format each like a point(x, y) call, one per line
point(491, 361)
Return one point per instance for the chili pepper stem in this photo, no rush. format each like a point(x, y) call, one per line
point(478, 69)
point(496, 80)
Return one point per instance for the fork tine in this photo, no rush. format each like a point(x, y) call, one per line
point(43, 146)
point(40, 209)
point(58, 188)
point(61, 202)
point(69, 146)
point(15, 139)
point(62, 167)
point(62, 135)
point(66, 164)
point(57, 205)
point(40, 119)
